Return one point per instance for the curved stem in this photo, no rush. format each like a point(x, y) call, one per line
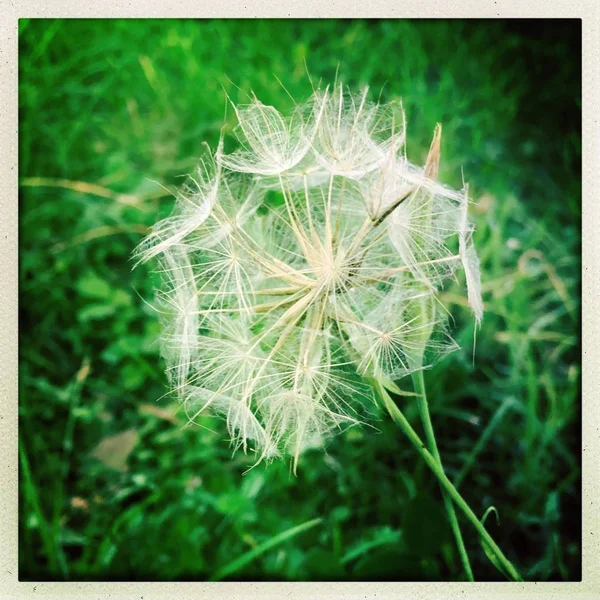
point(399, 418)
point(419, 385)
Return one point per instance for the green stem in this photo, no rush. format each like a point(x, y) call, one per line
point(399, 418)
point(419, 385)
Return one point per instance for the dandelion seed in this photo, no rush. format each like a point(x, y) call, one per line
point(470, 262)
point(194, 204)
point(304, 262)
point(354, 136)
point(270, 144)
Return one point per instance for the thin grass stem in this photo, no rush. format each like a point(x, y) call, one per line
point(419, 385)
point(259, 550)
point(399, 418)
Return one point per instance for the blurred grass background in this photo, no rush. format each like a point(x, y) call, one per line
point(112, 114)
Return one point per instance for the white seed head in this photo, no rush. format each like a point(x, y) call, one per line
point(303, 263)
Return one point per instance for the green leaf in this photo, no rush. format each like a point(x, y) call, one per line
point(133, 376)
point(96, 312)
point(122, 348)
point(92, 286)
point(121, 298)
point(68, 537)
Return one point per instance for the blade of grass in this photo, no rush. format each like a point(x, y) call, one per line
point(251, 555)
point(510, 402)
point(53, 550)
point(392, 538)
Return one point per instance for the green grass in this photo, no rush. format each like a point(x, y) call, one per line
point(125, 106)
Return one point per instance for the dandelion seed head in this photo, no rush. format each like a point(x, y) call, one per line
point(304, 262)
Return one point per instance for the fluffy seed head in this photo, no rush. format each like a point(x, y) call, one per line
point(304, 263)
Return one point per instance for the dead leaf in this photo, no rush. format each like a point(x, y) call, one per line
point(166, 414)
point(113, 451)
point(192, 483)
point(79, 503)
point(484, 204)
point(84, 371)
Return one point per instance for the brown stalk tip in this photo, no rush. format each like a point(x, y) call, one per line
point(433, 158)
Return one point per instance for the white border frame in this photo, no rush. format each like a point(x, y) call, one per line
point(12, 10)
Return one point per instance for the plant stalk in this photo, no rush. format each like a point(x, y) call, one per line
point(399, 418)
point(419, 385)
